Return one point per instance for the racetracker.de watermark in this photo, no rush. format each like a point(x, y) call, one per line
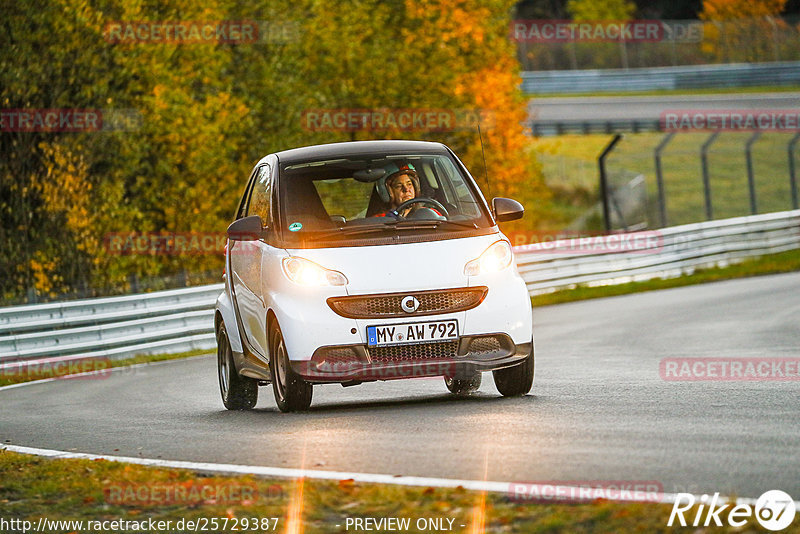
point(164, 244)
point(187, 493)
point(235, 32)
point(69, 120)
point(735, 120)
point(729, 369)
point(61, 367)
point(568, 31)
point(561, 242)
point(586, 490)
point(606, 31)
point(404, 119)
point(360, 370)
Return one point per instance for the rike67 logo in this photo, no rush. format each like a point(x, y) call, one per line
point(774, 510)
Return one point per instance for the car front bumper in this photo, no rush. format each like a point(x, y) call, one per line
point(359, 363)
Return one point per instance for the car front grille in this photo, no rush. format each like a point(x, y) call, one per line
point(443, 350)
point(336, 355)
point(353, 357)
point(484, 345)
point(380, 306)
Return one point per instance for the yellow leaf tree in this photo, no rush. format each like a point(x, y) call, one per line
point(742, 30)
point(429, 54)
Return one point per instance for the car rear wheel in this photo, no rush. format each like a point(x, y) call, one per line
point(463, 386)
point(517, 380)
point(292, 393)
point(238, 392)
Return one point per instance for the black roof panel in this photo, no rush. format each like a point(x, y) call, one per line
point(358, 148)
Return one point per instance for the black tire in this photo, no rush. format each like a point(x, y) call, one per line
point(238, 392)
point(292, 393)
point(517, 380)
point(463, 386)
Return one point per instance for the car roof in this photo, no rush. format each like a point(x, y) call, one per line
point(358, 148)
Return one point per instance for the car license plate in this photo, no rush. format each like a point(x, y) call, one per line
point(405, 333)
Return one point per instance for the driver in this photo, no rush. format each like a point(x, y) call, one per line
point(403, 185)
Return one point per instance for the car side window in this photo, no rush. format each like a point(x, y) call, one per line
point(260, 202)
point(458, 191)
point(242, 210)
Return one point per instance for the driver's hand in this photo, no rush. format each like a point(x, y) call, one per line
point(408, 210)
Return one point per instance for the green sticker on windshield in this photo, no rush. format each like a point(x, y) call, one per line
point(295, 226)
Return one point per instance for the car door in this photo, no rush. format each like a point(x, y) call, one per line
point(246, 259)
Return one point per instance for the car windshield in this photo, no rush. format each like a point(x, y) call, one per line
point(364, 197)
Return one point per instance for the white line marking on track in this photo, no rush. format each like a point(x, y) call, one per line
point(369, 478)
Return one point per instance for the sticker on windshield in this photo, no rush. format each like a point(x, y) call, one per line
point(295, 226)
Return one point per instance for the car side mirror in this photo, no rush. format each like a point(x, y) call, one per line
point(246, 229)
point(506, 209)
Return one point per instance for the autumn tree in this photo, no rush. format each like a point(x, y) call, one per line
point(596, 55)
point(428, 54)
point(742, 30)
point(208, 111)
point(585, 10)
point(45, 177)
point(178, 170)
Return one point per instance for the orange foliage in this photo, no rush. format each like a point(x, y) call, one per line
point(740, 9)
point(471, 39)
point(742, 30)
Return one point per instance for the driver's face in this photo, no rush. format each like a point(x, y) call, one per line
point(401, 189)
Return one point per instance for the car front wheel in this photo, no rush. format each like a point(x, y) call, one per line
point(517, 380)
point(292, 393)
point(238, 392)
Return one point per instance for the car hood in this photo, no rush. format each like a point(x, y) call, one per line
point(402, 267)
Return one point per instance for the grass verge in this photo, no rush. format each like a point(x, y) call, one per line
point(99, 490)
point(569, 165)
point(771, 264)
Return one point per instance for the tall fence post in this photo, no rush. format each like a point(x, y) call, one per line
point(601, 161)
point(792, 177)
point(133, 280)
point(751, 181)
point(662, 196)
point(706, 181)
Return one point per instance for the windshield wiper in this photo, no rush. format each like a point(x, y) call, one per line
point(430, 223)
point(350, 230)
point(400, 224)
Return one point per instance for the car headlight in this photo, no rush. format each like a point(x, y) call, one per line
point(308, 273)
point(495, 258)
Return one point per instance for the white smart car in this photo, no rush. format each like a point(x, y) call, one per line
point(364, 261)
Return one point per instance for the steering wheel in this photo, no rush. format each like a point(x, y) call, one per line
point(425, 200)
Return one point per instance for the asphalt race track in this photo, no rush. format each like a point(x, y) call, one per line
point(599, 409)
point(651, 107)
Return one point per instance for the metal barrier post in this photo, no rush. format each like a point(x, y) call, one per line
point(706, 182)
point(601, 161)
point(751, 182)
point(662, 199)
point(792, 178)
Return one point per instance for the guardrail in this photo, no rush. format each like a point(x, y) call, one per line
point(661, 78)
point(182, 320)
point(541, 128)
point(115, 327)
point(549, 266)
